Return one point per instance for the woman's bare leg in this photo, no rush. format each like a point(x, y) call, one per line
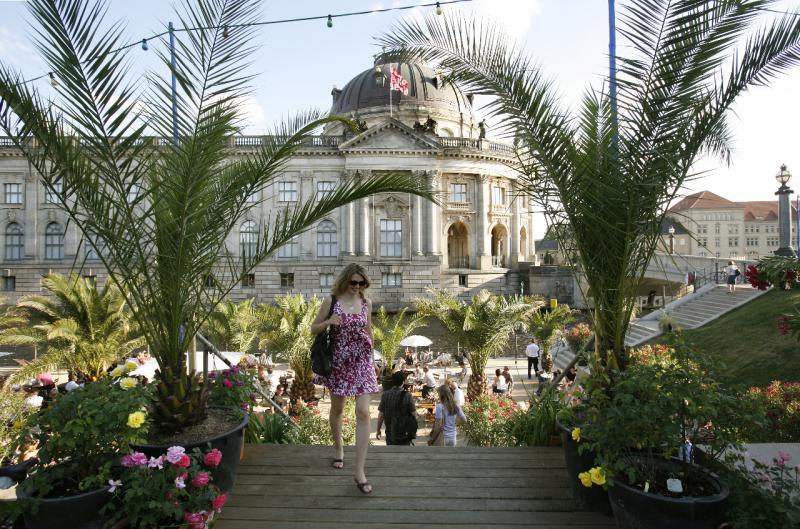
point(335, 418)
point(362, 437)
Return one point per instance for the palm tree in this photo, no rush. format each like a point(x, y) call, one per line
point(233, 326)
point(482, 327)
point(84, 330)
point(388, 331)
point(286, 328)
point(610, 170)
point(545, 325)
point(158, 213)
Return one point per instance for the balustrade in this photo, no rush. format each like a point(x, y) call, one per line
point(458, 261)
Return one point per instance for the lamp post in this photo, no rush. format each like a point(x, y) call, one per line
point(671, 231)
point(784, 214)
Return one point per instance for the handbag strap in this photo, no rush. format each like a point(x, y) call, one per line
point(333, 302)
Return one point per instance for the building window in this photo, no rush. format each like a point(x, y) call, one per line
point(324, 189)
point(13, 193)
point(253, 197)
point(458, 192)
point(326, 239)
point(733, 228)
point(89, 251)
point(716, 243)
point(703, 229)
point(499, 194)
point(702, 241)
point(716, 229)
point(326, 280)
point(10, 283)
point(289, 249)
point(462, 280)
point(248, 239)
point(773, 241)
point(287, 280)
point(751, 241)
point(15, 241)
point(249, 281)
point(287, 191)
point(51, 195)
point(733, 241)
point(391, 240)
point(392, 280)
point(209, 281)
point(54, 241)
point(133, 192)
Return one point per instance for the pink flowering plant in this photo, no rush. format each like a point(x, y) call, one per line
point(578, 337)
point(175, 488)
point(783, 272)
point(489, 420)
point(314, 428)
point(234, 388)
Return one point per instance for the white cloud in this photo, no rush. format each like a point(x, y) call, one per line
point(515, 15)
point(252, 113)
point(17, 53)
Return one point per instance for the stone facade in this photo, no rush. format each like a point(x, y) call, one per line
point(475, 239)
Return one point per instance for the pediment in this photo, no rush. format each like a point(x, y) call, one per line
point(391, 135)
point(394, 205)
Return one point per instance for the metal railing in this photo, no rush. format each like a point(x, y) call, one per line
point(458, 261)
point(499, 260)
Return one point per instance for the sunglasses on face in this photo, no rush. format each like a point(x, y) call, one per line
point(358, 283)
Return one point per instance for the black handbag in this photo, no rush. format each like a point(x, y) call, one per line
point(322, 349)
point(404, 426)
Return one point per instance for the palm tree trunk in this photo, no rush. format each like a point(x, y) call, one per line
point(477, 385)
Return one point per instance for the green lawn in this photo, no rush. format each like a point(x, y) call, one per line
point(747, 343)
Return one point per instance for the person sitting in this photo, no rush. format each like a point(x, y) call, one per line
point(499, 385)
point(409, 357)
point(428, 382)
point(509, 380)
point(273, 381)
point(418, 373)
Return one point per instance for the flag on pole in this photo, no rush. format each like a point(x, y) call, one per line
point(397, 82)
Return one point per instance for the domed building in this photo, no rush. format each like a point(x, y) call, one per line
point(477, 238)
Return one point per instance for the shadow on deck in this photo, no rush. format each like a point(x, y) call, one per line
point(294, 487)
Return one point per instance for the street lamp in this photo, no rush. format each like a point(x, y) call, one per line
point(784, 214)
point(671, 231)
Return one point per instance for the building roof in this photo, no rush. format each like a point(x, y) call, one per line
point(764, 210)
point(704, 200)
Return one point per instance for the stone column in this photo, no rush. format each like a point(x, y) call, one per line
point(365, 225)
point(416, 216)
point(308, 239)
point(348, 223)
point(515, 226)
point(434, 222)
point(482, 240)
point(29, 217)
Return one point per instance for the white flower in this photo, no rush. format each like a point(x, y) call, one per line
point(114, 484)
point(179, 484)
point(156, 462)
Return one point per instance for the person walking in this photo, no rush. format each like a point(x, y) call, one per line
point(395, 402)
point(353, 373)
point(532, 351)
point(458, 394)
point(732, 272)
point(446, 413)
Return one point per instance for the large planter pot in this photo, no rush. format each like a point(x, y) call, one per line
point(593, 499)
point(69, 512)
point(635, 509)
point(230, 443)
point(17, 472)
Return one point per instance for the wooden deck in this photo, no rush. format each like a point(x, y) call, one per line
point(295, 487)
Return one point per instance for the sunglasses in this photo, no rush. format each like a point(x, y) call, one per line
point(358, 283)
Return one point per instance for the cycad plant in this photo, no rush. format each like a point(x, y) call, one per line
point(610, 169)
point(389, 330)
point(286, 333)
point(482, 326)
point(545, 326)
point(81, 329)
point(158, 212)
point(233, 326)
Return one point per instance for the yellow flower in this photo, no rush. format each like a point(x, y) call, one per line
point(597, 475)
point(136, 419)
point(117, 371)
point(130, 365)
point(18, 425)
point(576, 435)
point(585, 479)
point(128, 383)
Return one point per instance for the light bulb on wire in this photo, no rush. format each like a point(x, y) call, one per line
point(225, 32)
point(145, 47)
point(439, 9)
point(330, 21)
point(53, 81)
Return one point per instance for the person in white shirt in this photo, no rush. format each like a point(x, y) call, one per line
point(273, 379)
point(533, 357)
point(731, 272)
point(428, 382)
point(458, 394)
point(500, 385)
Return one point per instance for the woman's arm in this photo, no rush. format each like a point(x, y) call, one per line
point(322, 321)
point(369, 319)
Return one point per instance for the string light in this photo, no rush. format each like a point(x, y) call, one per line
point(145, 47)
point(439, 9)
point(330, 22)
point(225, 32)
point(53, 81)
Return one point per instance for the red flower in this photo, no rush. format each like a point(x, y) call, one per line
point(227, 383)
point(213, 458)
point(219, 501)
point(183, 462)
point(195, 520)
point(200, 480)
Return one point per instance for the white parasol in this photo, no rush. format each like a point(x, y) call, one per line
point(415, 340)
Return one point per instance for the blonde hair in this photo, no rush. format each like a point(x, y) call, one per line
point(343, 281)
point(446, 399)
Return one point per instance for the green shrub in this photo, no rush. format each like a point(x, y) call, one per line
point(270, 428)
point(488, 419)
point(780, 402)
point(314, 428)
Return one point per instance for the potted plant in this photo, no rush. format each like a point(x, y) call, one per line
point(159, 214)
point(14, 413)
point(577, 338)
point(79, 438)
point(642, 435)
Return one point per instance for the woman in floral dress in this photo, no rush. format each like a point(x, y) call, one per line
point(353, 372)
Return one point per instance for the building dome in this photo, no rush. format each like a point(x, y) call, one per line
point(425, 89)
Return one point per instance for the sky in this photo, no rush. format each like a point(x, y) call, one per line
point(299, 63)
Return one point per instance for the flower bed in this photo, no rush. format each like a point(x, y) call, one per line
point(781, 404)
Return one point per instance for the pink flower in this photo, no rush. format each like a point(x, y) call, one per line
point(200, 480)
point(139, 459)
point(180, 483)
point(174, 454)
point(213, 458)
point(227, 383)
point(127, 461)
point(113, 485)
point(183, 462)
point(786, 456)
point(156, 462)
point(219, 501)
point(195, 520)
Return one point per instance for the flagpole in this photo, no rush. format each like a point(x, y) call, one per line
point(390, 92)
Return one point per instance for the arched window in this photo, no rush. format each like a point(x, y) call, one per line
point(15, 242)
point(54, 241)
point(248, 239)
point(89, 251)
point(326, 239)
